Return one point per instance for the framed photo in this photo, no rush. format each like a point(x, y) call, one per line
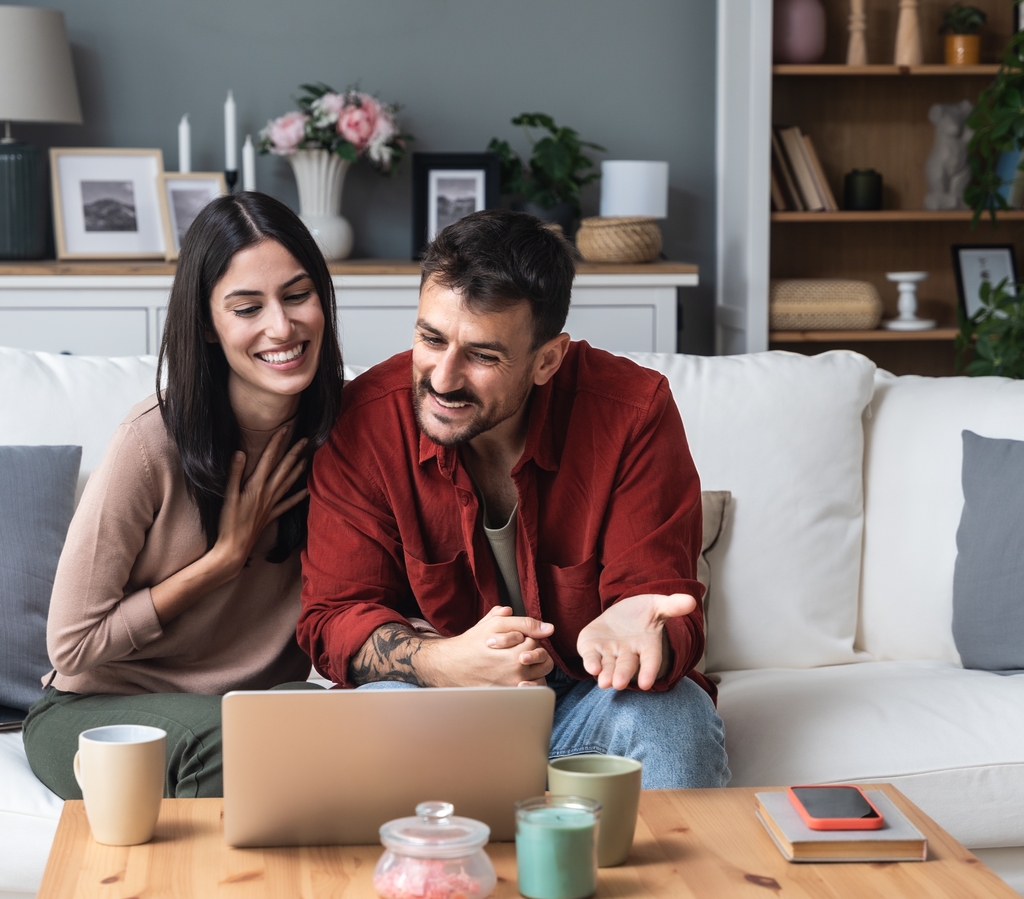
point(182, 196)
point(106, 203)
point(974, 265)
point(448, 186)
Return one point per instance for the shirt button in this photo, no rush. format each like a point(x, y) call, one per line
point(464, 499)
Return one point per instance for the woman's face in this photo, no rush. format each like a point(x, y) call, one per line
point(267, 317)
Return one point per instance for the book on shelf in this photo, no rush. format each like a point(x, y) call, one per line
point(778, 197)
point(820, 181)
point(796, 155)
point(785, 176)
point(898, 840)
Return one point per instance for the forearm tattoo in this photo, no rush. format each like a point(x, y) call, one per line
point(389, 655)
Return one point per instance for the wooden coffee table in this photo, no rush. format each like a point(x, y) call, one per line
point(689, 843)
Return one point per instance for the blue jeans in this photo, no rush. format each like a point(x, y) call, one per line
point(677, 735)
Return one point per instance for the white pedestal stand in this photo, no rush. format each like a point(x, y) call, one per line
point(907, 320)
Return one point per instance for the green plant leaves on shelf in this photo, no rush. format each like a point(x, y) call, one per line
point(992, 339)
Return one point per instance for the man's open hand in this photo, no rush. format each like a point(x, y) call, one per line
point(627, 638)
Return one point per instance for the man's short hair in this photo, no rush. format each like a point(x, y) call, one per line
point(496, 259)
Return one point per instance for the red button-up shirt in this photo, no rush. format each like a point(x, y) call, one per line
point(609, 507)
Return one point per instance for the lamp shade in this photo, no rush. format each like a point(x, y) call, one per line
point(37, 81)
point(634, 188)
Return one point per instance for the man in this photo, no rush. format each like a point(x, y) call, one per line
point(522, 510)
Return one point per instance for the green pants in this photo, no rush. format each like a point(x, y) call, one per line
point(192, 722)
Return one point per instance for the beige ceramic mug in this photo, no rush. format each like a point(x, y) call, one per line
point(120, 769)
point(613, 781)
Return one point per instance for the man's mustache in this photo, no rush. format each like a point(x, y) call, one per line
point(455, 396)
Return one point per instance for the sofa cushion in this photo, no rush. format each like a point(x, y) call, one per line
point(28, 819)
point(988, 614)
point(37, 499)
point(70, 400)
point(951, 739)
point(912, 504)
point(783, 433)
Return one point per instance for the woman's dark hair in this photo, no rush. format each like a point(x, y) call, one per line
point(195, 404)
point(496, 259)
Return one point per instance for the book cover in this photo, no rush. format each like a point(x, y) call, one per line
point(793, 144)
point(820, 181)
point(782, 167)
point(896, 840)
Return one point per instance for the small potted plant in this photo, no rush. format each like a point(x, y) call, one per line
point(549, 185)
point(960, 25)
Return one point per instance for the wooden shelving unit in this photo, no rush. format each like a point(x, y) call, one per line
point(876, 116)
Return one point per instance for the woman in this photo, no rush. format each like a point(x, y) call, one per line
point(180, 575)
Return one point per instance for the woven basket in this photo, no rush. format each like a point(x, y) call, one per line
point(619, 239)
point(808, 304)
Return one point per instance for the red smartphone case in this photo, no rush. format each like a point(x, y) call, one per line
point(835, 823)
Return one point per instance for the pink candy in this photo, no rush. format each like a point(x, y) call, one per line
point(419, 878)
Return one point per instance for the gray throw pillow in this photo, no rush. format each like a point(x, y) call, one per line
point(988, 581)
point(37, 500)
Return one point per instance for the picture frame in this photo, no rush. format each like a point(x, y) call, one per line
point(106, 203)
point(182, 197)
point(975, 264)
point(448, 186)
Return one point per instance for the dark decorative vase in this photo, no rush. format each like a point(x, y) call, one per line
point(22, 202)
point(562, 214)
point(862, 190)
point(798, 31)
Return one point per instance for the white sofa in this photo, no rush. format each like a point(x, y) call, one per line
point(830, 606)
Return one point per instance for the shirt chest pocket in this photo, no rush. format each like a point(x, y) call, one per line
point(570, 591)
point(445, 592)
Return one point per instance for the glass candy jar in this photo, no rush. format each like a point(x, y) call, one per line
point(434, 856)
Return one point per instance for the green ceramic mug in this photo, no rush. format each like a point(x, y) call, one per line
point(613, 781)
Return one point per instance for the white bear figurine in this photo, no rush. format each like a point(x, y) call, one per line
point(947, 170)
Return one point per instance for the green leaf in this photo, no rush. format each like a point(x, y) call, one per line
point(347, 151)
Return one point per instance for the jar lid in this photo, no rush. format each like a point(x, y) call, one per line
point(434, 833)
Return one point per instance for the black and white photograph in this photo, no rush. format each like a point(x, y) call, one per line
point(107, 204)
point(448, 186)
point(452, 196)
point(183, 196)
point(977, 265)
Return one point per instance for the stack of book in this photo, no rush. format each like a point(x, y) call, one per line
point(896, 841)
point(798, 180)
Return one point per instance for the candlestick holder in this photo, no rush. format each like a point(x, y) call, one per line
point(907, 320)
point(231, 177)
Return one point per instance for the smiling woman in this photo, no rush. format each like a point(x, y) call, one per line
point(180, 576)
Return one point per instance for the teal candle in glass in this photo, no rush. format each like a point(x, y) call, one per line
point(556, 847)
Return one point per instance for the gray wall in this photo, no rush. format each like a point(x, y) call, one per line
point(637, 76)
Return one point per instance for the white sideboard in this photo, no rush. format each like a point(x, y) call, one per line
point(112, 309)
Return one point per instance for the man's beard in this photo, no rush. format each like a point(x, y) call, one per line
point(482, 421)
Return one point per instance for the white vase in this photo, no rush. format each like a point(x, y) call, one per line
point(320, 177)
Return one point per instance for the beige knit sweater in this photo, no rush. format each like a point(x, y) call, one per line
point(134, 527)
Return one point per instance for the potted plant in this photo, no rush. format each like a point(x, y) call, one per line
point(998, 125)
point(993, 337)
point(549, 185)
point(329, 131)
point(961, 24)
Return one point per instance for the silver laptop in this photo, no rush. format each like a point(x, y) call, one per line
point(328, 767)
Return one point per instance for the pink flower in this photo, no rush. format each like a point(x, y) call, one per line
point(357, 123)
point(329, 107)
point(286, 133)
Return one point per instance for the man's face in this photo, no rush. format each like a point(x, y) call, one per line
point(472, 373)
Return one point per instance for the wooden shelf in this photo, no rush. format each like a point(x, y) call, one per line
point(895, 215)
point(988, 70)
point(860, 336)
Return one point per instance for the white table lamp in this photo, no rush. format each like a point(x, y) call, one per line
point(37, 84)
point(634, 195)
point(634, 188)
